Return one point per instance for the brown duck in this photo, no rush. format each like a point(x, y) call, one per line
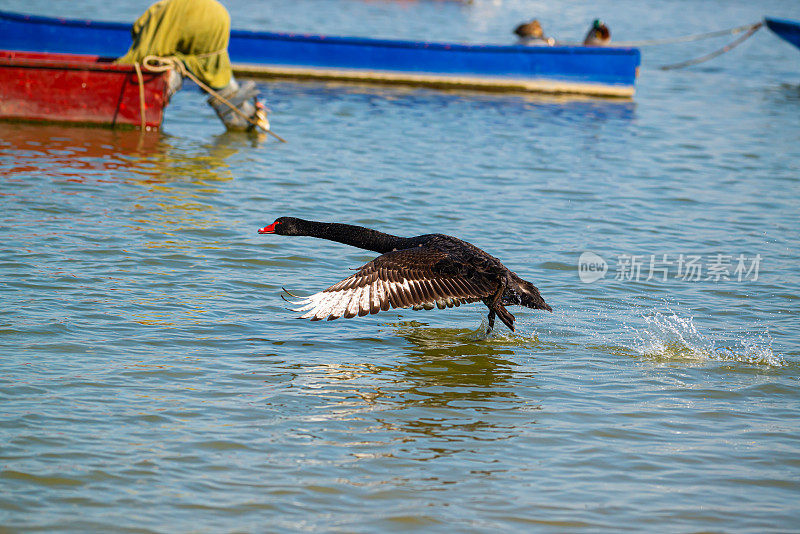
point(412, 272)
point(532, 33)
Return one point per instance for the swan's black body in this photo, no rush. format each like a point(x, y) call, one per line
point(418, 272)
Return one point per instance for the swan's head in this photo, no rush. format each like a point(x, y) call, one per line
point(283, 226)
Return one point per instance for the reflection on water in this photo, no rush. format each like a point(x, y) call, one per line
point(578, 107)
point(790, 92)
point(450, 365)
point(79, 153)
point(71, 151)
point(451, 378)
point(144, 189)
point(180, 183)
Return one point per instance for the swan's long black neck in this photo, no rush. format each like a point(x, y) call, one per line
point(356, 236)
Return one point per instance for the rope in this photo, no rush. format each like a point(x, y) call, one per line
point(141, 95)
point(727, 48)
point(690, 38)
point(163, 64)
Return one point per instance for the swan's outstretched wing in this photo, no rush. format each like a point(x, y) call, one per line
point(411, 278)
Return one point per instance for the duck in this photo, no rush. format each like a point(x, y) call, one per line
point(598, 34)
point(422, 272)
point(531, 33)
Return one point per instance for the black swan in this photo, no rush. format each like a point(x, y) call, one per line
point(416, 272)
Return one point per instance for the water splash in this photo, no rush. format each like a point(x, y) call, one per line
point(500, 337)
point(668, 337)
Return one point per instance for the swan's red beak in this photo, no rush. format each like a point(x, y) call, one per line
point(267, 229)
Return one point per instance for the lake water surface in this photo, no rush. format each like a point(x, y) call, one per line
point(152, 380)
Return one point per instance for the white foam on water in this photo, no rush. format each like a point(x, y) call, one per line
point(669, 337)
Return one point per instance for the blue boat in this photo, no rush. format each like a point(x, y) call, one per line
point(788, 30)
point(599, 71)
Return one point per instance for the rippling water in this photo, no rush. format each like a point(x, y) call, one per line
point(152, 380)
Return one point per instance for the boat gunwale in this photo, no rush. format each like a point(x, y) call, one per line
point(786, 29)
point(90, 64)
point(435, 45)
point(355, 41)
point(787, 22)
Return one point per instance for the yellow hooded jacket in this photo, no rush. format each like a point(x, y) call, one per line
point(196, 31)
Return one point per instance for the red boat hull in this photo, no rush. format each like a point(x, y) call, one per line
point(38, 86)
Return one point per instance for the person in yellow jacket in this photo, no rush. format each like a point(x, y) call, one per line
point(197, 33)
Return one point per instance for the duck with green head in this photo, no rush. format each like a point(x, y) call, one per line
point(598, 35)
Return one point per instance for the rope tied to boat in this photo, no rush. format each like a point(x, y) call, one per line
point(727, 48)
point(690, 38)
point(166, 63)
point(142, 107)
point(748, 29)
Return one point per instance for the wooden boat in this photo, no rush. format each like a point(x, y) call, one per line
point(42, 86)
point(788, 30)
point(603, 71)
